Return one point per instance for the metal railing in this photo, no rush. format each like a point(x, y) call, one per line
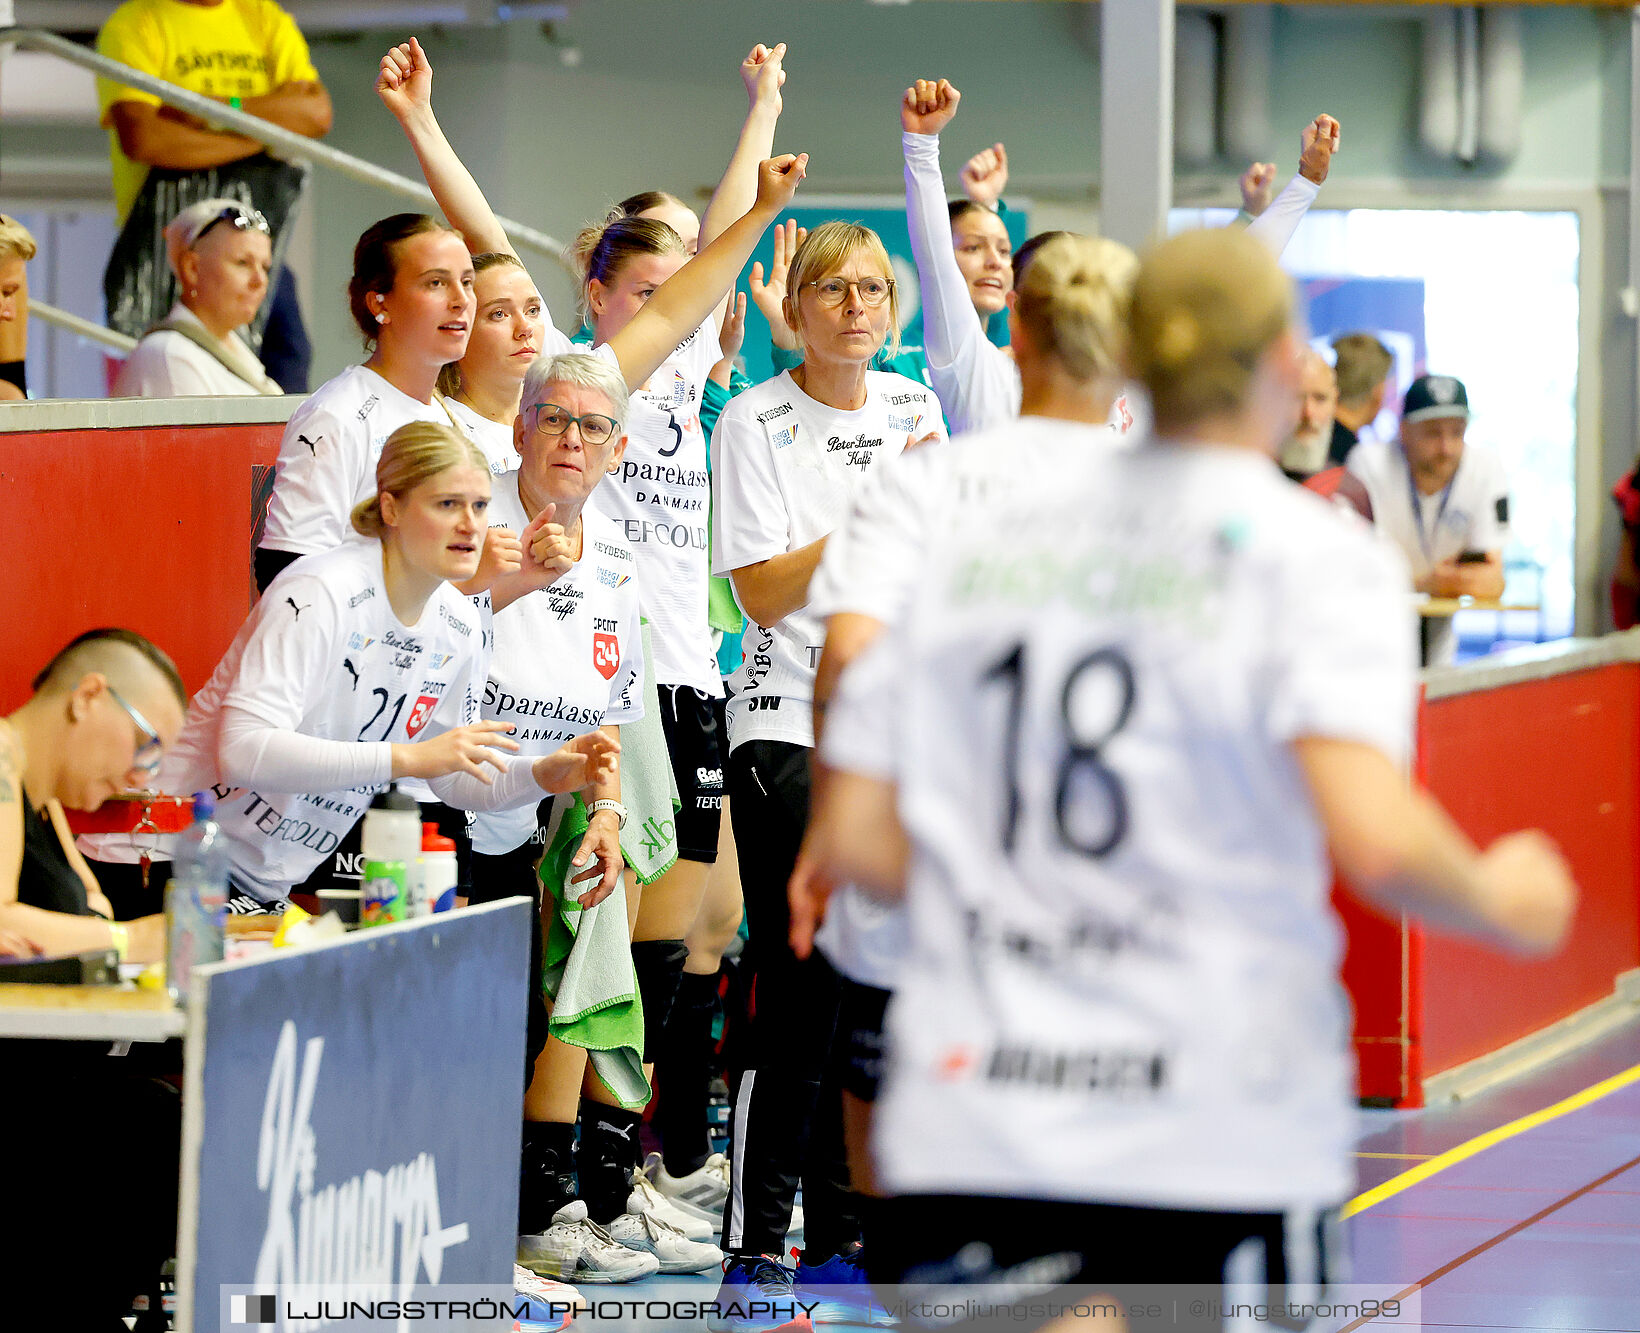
point(252, 127)
point(65, 319)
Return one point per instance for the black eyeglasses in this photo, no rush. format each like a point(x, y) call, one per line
point(550, 419)
point(237, 217)
point(151, 749)
point(834, 291)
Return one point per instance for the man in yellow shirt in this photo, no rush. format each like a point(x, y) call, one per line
point(246, 53)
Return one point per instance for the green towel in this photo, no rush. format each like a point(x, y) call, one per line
point(649, 790)
point(586, 969)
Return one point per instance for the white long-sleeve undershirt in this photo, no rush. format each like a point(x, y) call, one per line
point(251, 753)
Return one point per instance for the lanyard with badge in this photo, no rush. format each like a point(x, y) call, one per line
point(1425, 541)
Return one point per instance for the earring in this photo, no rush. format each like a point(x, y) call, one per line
point(380, 317)
point(193, 292)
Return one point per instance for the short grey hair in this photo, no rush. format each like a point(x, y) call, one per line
point(583, 371)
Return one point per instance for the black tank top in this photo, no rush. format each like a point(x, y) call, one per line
point(46, 878)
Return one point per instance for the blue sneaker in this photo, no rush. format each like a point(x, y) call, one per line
point(757, 1294)
point(840, 1292)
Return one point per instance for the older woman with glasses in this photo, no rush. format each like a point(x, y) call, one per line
point(568, 660)
point(221, 252)
point(102, 713)
point(788, 459)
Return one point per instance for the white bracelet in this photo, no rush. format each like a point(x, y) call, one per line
point(616, 806)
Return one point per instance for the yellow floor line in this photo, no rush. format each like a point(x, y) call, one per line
point(1463, 1151)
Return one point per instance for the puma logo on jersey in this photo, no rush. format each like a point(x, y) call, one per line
point(351, 670)
point(291, 603)
point(313, 445)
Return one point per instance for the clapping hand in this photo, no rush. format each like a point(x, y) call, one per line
point(769, 296)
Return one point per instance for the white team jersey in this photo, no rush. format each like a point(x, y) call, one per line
point(785, 470)
point(567, 659)
point(327, 459)
point(324, 655)
point(494, 440)
point(1122, 982)
point(660, 499)
point(1471, 514)
point(870, 568)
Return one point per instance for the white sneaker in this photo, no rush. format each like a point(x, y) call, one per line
point(658, 1205)
point(645, 1234)
point(574, 1249)
point(553, 1305)
point(703, 1191)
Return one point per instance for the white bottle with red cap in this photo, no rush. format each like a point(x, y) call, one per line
point(435, 879)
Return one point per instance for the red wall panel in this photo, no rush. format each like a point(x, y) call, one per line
point(148, 528)
point(1558, 754)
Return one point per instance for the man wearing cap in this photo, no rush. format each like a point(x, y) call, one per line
point(1443, 501)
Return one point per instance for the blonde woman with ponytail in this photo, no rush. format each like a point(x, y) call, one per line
point(358, 667)
point(1068, 338)
point(1101, 757)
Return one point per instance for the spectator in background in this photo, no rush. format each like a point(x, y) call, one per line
point(1625, 586)
point(16, 249)
point(1362, 365)
point(1443, 501)
point(220, 252)
point(1305, 451)
point(250, 55)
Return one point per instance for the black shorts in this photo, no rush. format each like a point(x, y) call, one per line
point(695, 727)
point(511, 874)
point(860, 1031)
point(508, 874)
point(130, 898)
point(956, 1246)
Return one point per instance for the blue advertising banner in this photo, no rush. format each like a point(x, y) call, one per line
point(885, 215)
point(353, 1116)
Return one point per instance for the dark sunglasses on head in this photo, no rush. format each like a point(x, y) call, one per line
point(237, 217)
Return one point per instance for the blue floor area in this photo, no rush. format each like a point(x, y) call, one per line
point(1538, 1232)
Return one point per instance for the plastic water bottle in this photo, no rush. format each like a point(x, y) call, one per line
point(196, 900)
point(391, 841)
point(436, 884)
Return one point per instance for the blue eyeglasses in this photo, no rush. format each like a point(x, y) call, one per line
point(151, 749)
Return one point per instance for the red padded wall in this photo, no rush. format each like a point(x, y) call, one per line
point(149, 528)
point(1560, 754)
